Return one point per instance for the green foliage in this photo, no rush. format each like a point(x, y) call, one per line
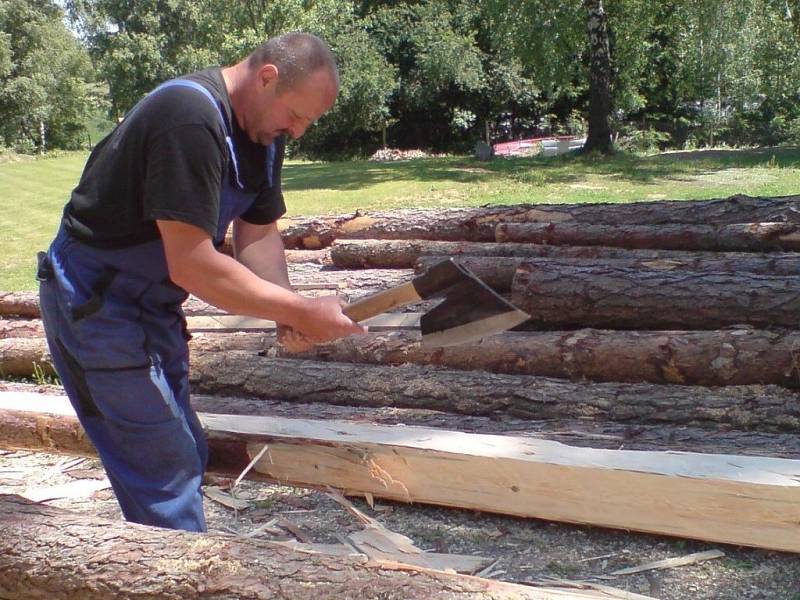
point(46, 78)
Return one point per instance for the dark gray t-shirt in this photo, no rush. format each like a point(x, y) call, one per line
point(166, 160)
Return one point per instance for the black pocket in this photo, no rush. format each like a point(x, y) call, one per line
point(95, 301)
point(44, 270)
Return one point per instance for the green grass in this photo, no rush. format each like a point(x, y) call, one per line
point(33, 192)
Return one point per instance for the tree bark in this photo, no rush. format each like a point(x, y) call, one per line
point(39, 431)
point(478, 224)
point(599, 134)
point(245, 373)
point(712, 358)
point(21, 328)
point(19, 304)
point(404, 254)
point(479, 393)
point(742, 237)
point(609, 297)
point(498, 272)
point(46, 552)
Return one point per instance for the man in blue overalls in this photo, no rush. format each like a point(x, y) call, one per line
point(142, 229)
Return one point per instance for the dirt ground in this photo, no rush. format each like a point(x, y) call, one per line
point(524, 550)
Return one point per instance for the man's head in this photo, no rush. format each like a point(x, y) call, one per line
point(288, 83)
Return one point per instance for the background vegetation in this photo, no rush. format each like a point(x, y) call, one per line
point(432, 74)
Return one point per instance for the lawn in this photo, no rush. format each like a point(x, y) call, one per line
point(33, 191)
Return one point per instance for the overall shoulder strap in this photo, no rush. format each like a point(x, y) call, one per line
point(187, 83)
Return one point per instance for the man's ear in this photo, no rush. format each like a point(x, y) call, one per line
point(268, 74)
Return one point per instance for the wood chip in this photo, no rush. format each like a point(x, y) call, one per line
point(81, 488)
point(224, 498)
point(669, 563)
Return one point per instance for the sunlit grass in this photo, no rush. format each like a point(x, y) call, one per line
point(33, 192)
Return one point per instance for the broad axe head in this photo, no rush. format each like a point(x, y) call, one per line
point(470, 309)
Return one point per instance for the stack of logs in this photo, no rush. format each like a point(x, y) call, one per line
point(654, 325)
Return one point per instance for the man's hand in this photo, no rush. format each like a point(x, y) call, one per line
point(326, 322)
point(293, 341)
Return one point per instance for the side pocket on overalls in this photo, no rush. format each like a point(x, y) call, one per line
point(95, 301)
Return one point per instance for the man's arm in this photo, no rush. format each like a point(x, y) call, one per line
point(196, 266)
point(260, 248)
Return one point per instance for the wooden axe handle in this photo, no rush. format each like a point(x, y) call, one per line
point(382, 301)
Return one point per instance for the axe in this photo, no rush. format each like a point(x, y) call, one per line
point(470, 309)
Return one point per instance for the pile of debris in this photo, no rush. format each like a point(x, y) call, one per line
point(390, 154)
point(671, 324)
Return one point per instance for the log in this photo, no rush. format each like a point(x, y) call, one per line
point(498, 272)
point(740, 237)
point(479, 393)
point(19, 304)
point(711, 358)
point(47, 552)
point(477, 224)
point(21, 328)
point(609, 297)
point(402, 254)
point(24, 424)
point(724, 498)
point(738, 356)
point(243, 373)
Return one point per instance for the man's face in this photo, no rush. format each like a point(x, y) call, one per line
point(292, 110)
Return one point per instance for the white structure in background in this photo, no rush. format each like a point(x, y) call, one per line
point(554, 147)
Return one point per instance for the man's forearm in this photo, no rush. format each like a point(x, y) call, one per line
point(263, 254)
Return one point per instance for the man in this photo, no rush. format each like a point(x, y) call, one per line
point(139, 232)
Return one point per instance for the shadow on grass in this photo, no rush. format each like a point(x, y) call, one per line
point(674, 166)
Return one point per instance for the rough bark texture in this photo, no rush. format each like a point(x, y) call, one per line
point(721, 357)
point(19, 304)
point(245, 373)
point(13, 328)
point(397, 254)
point(24, 357)
point(479, 393)
point(741, 237)
point(51, 553)
point(599, 134)
point(612, 297)
point(498, 272)
point(477, 224)
point(37, 431)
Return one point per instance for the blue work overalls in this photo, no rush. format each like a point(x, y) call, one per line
point(117, 337)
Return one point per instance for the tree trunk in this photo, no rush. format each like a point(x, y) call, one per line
point(599, 135)
point(403, 254)
point(498, 272)
point(21, 328)
point(19, 304)
point(44, 429)
point(479, 393)
point(742, 237)
point(46, 552)
point(478, 224)
point(712, 358)
point(245, 373)
point(608, 297)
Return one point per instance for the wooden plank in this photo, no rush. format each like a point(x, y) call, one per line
point(743, 500)
point(235, 322)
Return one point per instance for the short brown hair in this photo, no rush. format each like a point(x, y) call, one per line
point(296, 55)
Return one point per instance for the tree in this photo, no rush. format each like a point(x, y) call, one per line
point(46, 78)
point(599, 135)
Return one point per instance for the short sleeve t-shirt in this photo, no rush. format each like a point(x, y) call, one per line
point(167, 160)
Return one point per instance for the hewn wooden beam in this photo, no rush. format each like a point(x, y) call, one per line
point(751, 501)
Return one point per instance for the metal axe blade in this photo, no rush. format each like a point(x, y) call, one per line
point(470, 309)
